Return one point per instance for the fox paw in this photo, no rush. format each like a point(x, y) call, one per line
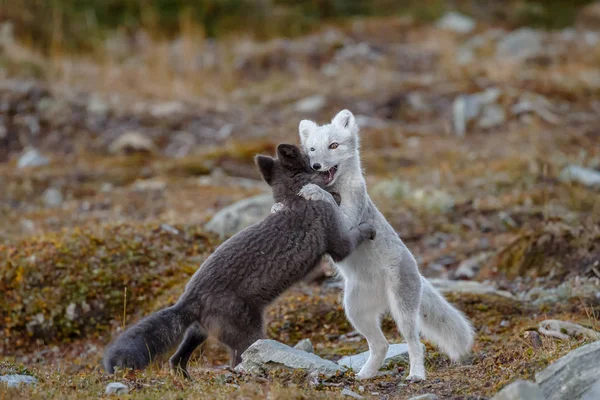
point(313, 192)
point(415, 378)
point(276, 207)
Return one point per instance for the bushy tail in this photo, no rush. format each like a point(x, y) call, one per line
point(153, 335)
point(444, 325)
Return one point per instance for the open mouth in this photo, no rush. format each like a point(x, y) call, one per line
point(329, 174)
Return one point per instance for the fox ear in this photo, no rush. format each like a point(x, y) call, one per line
point(345, 120)
point(288, 153)
point(266, 166)
point(305, 128)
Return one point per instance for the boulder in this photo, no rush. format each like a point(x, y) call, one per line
point(520, 390)
point(571, 376)
point(14, 380)
point(240, 215)
point(266, 355)
point(396, 353)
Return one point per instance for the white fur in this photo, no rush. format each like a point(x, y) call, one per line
point(381, 275)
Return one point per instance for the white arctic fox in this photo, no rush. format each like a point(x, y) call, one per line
point(380, 275)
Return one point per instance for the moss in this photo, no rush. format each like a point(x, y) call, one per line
point(73, 284)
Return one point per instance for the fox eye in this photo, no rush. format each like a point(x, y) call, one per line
point(333, 145)
point(312, 149)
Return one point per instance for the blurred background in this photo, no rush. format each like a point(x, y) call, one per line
point(126, 126)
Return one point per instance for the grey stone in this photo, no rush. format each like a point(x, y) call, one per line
point(132, 142)
point(520, 390)
point(32, 158)
point(240, 215)
point(311, 104)
point(451, 286)
point(565, 330)
point(456, 22)
point(469, 267)
point(593, 393)
point(571, 376)
point(396, 353)
point(265, 355)
point(116, 388)
point(427, 396)
point(584, 176)
point(305, 345)
point(349, 393)
point(520, 44)
point(492, 116)
point(467, 108)
point(578, 288)
point(15, 380)
point(52, 198)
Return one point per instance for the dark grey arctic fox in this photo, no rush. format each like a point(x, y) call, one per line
point(227, 295)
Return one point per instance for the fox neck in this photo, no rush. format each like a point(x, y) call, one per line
point(349, 175)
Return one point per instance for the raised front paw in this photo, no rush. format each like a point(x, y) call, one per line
point(313, 192)
point(368, 230)
point(276, 207)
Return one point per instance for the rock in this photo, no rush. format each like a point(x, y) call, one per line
point(535, 104)
point(132, 142)
point(520, 390)
point(116, 388)
point(349, 393)
point(571, 376)
point(520, 44)
point(492, 116)
point(456, 22)
point(451, 286)
point(534, 338)
point(265, 355)
point(584, 176)
point(467, 108)
point(589, 17)
point(32, 158)
point(52, 198)
point(469, 267)
point(593, 393)
point(305, 345)
point(240, 215)
point(427, 396)
point(581, 288)
point(311, 104)
point(15, 380)
point(564, 330)
point(396, 353)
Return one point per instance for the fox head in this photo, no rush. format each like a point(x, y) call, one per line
point(331, 148)
point(288, 173)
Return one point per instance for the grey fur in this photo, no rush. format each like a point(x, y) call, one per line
point(227, 295)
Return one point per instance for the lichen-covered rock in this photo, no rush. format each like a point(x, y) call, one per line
point(520, 390)
point(305, 345)
point(396, 353)
point(15, 380)
point(571, 376)
point(266, 355)
point(116, 388)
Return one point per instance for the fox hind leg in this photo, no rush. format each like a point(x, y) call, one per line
point(363, 310)
point(238, 337)
point(405, 311)
point(194, 337)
